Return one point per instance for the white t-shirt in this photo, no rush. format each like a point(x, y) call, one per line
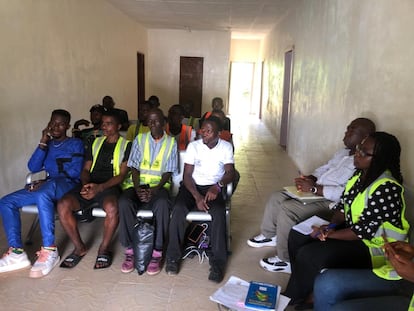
point(208, 163)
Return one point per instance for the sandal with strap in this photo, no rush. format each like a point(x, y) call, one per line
point(71, 261)
point(103, 261)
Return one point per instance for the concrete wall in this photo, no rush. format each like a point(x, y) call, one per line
point(352, 58)
point(59, 54)
point(165, 48)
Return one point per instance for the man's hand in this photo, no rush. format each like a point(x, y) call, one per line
point(46, 134)
point(212, 193)
point(89, 191)
point(399, 255)
point(144, 194)
point(202, 204)
point(403, 249)
point(304, 184)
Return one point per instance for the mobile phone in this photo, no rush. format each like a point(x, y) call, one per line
point(195, 234)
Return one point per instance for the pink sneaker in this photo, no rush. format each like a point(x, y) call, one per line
point(154, 267)
point(128, 264)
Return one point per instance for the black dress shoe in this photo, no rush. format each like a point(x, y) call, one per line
point(171, 267)
point(216, 273)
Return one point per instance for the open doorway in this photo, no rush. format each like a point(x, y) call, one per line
point(241, 89)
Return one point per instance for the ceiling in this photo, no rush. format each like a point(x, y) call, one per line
point(244, 18)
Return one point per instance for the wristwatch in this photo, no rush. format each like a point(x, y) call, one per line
point(314, 190)
point(220, 184)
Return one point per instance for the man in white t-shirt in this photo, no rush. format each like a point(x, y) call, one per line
point(208, 168)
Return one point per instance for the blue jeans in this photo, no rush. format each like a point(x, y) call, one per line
point(359, 289)
point(45, 198)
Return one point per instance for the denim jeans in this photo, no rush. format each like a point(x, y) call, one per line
point(45, 198)
point(359, 289)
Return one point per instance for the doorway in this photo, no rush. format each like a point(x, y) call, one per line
point(191, 83)
point(287, 86)
point(241, 89)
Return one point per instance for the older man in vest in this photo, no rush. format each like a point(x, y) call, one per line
point(153, 160)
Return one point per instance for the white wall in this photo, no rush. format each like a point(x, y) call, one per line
point(164, 50)
point(352, 58)
point(59, 54)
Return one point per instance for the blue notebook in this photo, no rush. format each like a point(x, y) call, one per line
point(262, 296)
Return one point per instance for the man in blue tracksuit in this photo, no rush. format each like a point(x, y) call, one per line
point(62, 158)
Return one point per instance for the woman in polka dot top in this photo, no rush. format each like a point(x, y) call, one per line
point(371, 209)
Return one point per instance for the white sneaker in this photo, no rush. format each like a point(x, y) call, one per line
point(275, 264)
point(261, 241)
point(45, 262)
point(12, 261)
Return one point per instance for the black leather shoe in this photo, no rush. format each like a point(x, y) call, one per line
point(171, 267)
point(216, 273)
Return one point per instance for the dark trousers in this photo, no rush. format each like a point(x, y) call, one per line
point(184, 203)
point(309, 256)
point(128, 207)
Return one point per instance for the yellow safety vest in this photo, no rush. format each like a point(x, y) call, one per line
point(151, 173)
point(381, 267)
point(411, 306)
point(118, 155)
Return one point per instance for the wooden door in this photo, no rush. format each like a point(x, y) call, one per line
point(191, 82)
point(140, 80)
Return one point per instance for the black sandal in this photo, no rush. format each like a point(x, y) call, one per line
point(71, 261)
point(103, 261)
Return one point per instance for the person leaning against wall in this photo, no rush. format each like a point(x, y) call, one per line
point(62, 158)
point(327, 181)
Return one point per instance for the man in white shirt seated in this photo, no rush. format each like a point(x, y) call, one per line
point(208, 168)
point(328, 181)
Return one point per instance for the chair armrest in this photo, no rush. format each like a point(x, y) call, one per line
point(32, 177)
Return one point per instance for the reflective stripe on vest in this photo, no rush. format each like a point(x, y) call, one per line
point(381, 266)
point(151, 173)
point(118, 155)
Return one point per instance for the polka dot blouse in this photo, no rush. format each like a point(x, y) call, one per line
point(384, 204)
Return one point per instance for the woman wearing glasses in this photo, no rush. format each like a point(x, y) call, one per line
point(371, 210)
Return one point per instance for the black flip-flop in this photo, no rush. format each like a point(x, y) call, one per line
point(104, 261)
point(71, 261)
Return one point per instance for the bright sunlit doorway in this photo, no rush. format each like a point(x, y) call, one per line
point(243, 101)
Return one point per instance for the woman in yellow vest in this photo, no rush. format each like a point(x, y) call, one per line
point(372, 206)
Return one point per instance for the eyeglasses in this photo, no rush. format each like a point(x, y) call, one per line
point(362, 153)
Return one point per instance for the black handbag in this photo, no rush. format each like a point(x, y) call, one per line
point(143, 241)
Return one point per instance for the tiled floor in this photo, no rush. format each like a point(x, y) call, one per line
point(264, 167)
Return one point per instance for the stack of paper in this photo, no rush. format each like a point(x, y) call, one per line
point(306, 227)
